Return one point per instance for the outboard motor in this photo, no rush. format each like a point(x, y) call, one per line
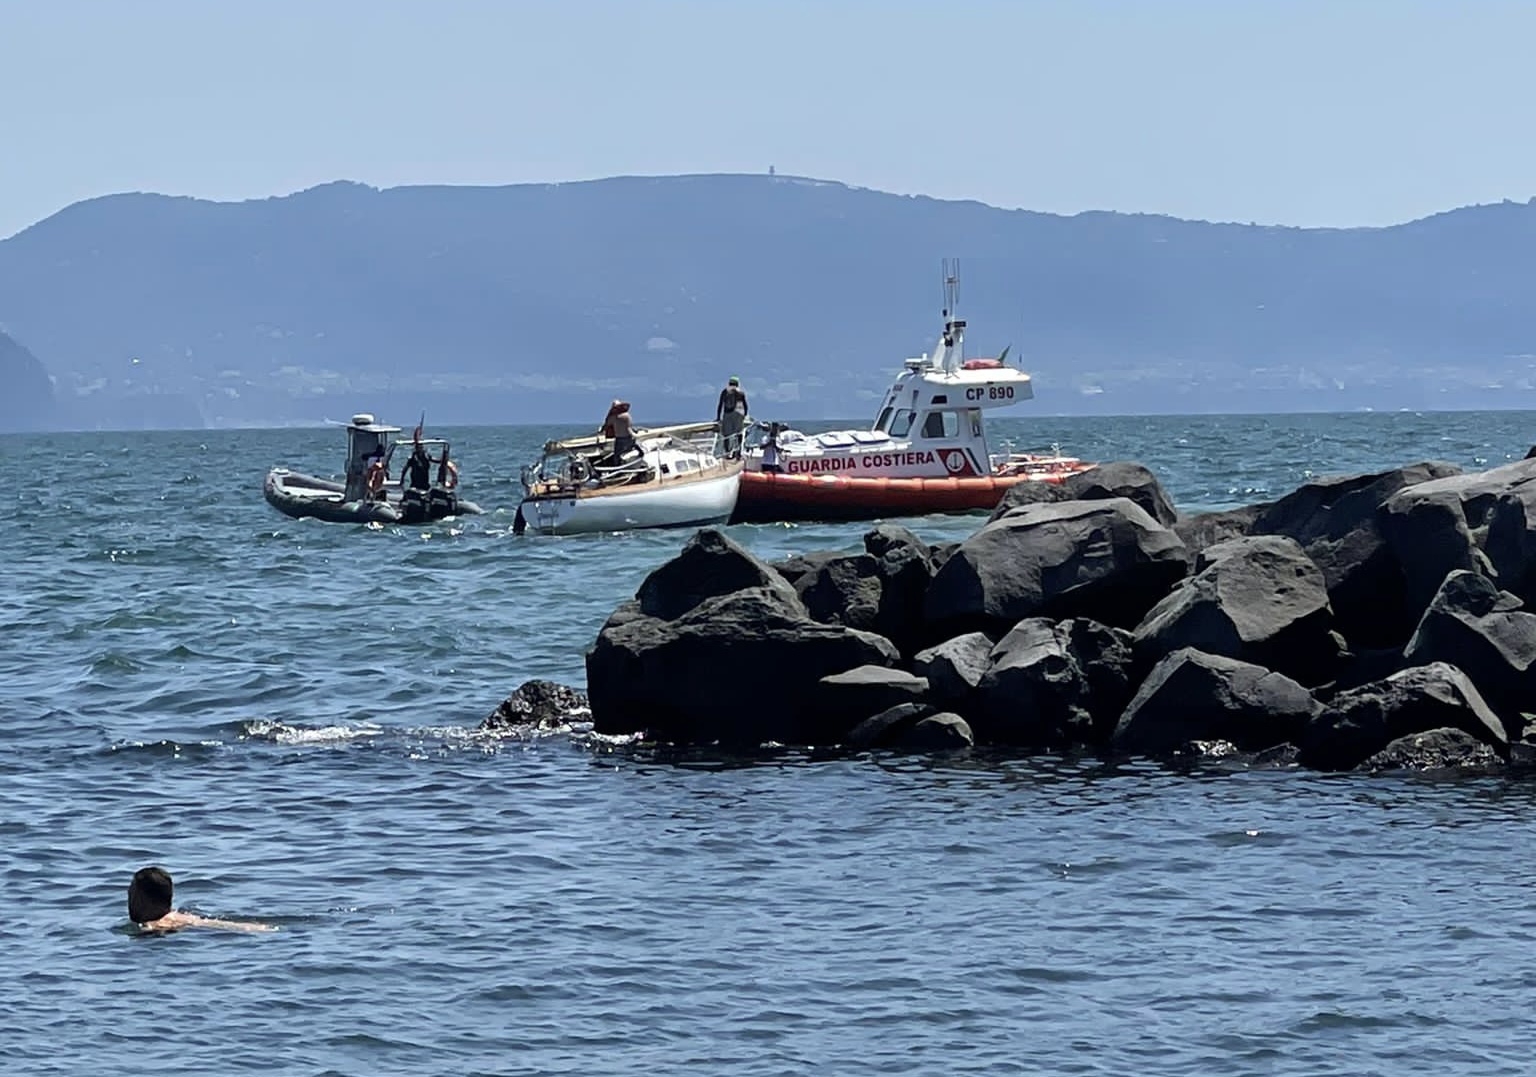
point(441, 503)
point(413, 507)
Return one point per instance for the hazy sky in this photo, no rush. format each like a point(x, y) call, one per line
point(1344, 112)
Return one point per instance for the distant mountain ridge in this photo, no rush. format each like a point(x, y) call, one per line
point(26, 393)
point(541, 302)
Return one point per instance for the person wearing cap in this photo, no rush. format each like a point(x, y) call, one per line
point(731, 414)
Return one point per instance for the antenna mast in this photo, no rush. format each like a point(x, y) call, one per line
point(954, 328)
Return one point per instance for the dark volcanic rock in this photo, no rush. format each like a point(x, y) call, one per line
point(1115, 479)
point(1259, 599)
point(1436, 749)
point(1122, 479)
point(849, 697)
point(1499, 509)
point(1107, 560)
point(1429, 536)
point(885, 729)
point(540, 703)
point(1336, 522)
point(1024, 493)
point(1208, 528)
point(1362, 721)
point(881, 590)
point(740, 667)
point(1483, 632)
point(905, 568)
point(912, 727)
point(955, 667)
point(1190, 696)
point(1054, 684)
point(897, 548)
point(1363, 667)
point(937, 733)
point(941, 553)
point(796, 568)
point(842, 590)
point(710, 565)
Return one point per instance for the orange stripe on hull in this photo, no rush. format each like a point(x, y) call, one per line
point(766, 497)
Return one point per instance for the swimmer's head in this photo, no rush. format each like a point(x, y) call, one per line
point(149, 895)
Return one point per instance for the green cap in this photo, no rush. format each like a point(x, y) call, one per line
point(733, 380)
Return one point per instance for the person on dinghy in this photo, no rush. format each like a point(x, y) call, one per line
point(417, 473)
point(376, 475)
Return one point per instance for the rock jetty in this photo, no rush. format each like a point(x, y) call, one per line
point(1383, 621)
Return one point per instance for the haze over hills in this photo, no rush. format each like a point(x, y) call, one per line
point(27, 401)
point(541, 302)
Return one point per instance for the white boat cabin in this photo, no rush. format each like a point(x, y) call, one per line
point(928, 426)
point(364, 437)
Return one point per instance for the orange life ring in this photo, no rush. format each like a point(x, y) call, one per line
point(451, 482)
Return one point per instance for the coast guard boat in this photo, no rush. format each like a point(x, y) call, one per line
point(926, 452)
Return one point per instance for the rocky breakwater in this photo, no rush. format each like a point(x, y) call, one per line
point(1373, 621)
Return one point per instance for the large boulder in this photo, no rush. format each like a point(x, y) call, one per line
point(693, 659)
point(847, 698)
point(1438, 749)
point(943, 732)
point(542, 704)
point(796, 567)
point(1122, 478)
point(1483, 632)
point(1259, 599)
point(955, 667)
point(1107, 560)
point(1115, 479)
point(1025, 492)
point(905, 567)
point(880, 590)
point(1054, 684)
point(1336, 522)
point(886, 728)
point(709, 566)
point(1362, 721)
point(843, 590)
point(1429, 537)
point(1192, 696)
point(898, 550)
point(912, 727)
point(1499, 507)
point(1208, 528)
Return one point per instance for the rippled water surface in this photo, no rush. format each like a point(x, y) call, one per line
point(283, 714)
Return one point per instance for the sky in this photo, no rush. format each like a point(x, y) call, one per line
point(1343, 113)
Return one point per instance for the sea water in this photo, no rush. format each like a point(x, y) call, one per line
point(283, 714)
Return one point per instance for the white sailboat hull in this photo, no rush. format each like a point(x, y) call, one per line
point(692, 503)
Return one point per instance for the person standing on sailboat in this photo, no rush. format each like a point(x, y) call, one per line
point(731, 414)
point(619, 425)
